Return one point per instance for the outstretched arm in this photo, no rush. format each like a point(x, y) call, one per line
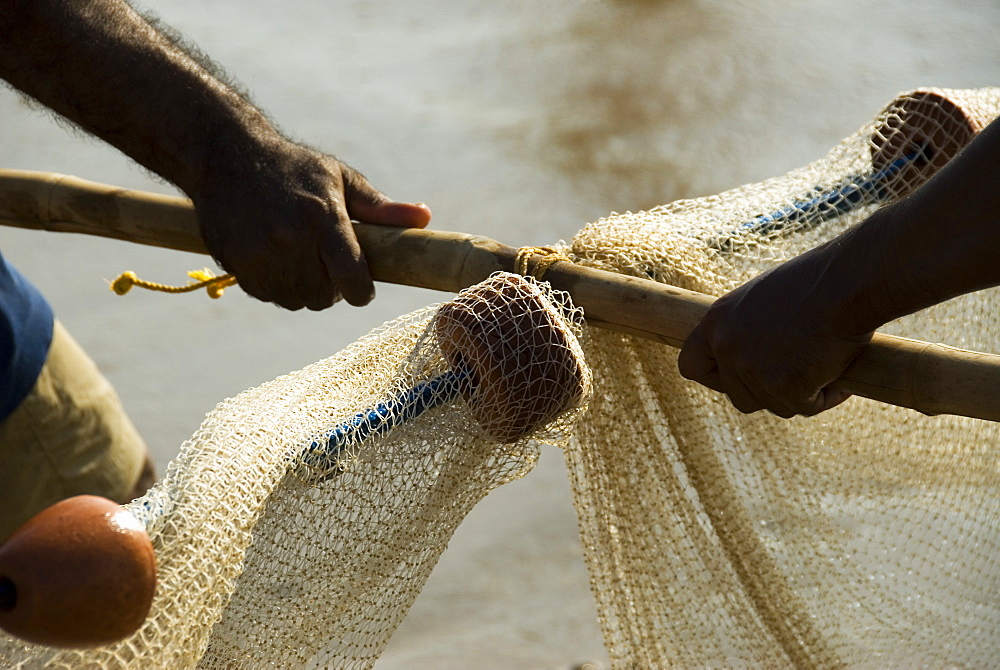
point(780, 340)
point(273, 212)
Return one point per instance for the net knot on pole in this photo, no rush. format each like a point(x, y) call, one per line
point(549, 257)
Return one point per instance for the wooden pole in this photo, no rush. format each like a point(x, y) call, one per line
point(930, 378)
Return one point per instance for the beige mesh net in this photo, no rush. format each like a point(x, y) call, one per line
point(865, 537)
point(298, 524)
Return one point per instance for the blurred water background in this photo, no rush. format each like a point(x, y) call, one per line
point(519, 120)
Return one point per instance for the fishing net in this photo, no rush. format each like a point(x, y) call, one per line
point(298, 524)
point(865, 537)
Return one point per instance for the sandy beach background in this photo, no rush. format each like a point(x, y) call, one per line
point(517, 120)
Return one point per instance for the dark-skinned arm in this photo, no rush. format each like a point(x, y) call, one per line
point(273, 212)
point(780, 340)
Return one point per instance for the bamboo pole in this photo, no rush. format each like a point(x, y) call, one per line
point(930, 378)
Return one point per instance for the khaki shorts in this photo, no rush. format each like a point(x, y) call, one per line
point(69, 436)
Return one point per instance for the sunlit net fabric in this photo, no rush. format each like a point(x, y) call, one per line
point(283, 542)
point(866, 537)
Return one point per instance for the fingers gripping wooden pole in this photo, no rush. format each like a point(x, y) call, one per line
point(933, 379)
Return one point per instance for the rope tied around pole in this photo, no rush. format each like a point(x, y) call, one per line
point(549, 257)
point(214, 285)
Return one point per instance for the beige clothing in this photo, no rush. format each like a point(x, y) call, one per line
point(69, 436)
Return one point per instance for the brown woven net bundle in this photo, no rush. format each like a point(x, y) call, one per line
point(866, 537)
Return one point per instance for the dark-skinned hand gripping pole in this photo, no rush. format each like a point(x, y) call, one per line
point(930, 378)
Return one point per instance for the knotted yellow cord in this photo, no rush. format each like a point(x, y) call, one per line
point(549, 257)
point(205, 279)
point(216, 285)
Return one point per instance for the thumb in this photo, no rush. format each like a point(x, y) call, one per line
point(697, 363)
point(825, 398)
point(366, 203)
point(400, 214)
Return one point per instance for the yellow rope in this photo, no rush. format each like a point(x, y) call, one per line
point(549, 257)
point(205, 279)
point(216, 285)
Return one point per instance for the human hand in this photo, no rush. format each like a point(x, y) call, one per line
point(281, 223)
point(770, 344)
point(779, 341)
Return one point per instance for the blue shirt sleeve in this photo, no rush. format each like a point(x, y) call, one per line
point(25, 336)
